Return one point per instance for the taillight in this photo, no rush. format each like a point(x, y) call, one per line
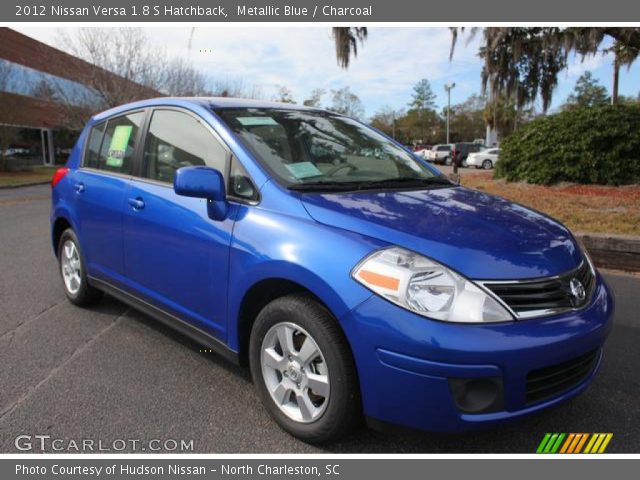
point(59, 175)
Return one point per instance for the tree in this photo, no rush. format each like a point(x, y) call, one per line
point(124, 52)
point(127, 69)
point(588, 92)
point(181, 79)
point(504, 116)
point(524, 62)
point(422, 100)
point(386, 120)
point(283, 95)
point(235, 88)
point(346, 102)
point(346, 40)
point(622, 55)
point(467, 119)
point(315, 100)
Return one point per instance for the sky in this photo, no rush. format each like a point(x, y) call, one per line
point(387, 66)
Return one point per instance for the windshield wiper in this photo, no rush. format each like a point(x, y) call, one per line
point(405, 182)
point(327, 186)
point(324, 186)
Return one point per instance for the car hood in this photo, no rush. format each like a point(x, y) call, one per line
point(479, 235)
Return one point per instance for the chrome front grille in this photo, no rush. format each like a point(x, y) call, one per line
point(546, 296)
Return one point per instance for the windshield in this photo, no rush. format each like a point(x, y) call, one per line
point(317, 148)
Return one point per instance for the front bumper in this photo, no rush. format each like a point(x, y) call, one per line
point(405, 361)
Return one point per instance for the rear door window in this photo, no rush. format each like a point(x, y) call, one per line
point(119, 143)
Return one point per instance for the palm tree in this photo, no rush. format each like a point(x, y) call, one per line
point(623, 55)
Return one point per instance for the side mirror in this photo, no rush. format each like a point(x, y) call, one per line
point(203, 182)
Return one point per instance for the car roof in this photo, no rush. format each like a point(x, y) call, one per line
point(206, 102)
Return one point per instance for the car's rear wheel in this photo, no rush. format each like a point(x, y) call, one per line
point(487, 164)
point(302, 367)
point(447, 161)
point(73, 271)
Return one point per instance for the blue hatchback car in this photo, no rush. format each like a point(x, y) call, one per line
point(352, 277)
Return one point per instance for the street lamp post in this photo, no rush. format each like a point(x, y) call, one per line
point(448, 88)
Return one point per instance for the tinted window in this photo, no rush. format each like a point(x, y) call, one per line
point(444, 148)
point(176, 140)
point(93, 146)
point(301, 147)
point(118, 145)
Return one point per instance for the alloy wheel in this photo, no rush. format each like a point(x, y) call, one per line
point(71, 267)
point(295, 372)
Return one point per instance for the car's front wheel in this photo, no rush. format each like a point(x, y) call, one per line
point(303, 369)
point(73, 271)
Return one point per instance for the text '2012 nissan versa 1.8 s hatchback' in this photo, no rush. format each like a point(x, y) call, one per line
point(353, 278)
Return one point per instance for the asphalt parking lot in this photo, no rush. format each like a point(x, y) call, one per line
point(112, 373)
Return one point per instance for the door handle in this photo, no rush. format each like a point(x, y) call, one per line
point(79, 187)
point(136, 203)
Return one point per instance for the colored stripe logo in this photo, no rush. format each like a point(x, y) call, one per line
point(574, 443)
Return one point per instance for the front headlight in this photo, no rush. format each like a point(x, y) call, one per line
point(427, 288)
point(585, 254)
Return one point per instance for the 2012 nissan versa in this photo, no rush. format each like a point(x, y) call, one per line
point(353, 278)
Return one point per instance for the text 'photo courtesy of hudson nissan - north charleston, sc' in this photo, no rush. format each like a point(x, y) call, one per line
point(354, 280)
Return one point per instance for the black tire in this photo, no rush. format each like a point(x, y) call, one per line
point(447, 161)
point(86, 295)
point(343, 411)
point(487, 164)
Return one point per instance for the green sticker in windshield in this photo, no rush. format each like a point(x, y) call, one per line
point(303, 169)
point(257, 121)
point(118, 145)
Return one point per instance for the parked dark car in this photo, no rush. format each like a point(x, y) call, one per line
point(462, 150)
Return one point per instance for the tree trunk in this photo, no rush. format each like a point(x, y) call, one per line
point(616, 78)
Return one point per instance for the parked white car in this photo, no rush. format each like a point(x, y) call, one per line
point(422, 153)
point(484, 159)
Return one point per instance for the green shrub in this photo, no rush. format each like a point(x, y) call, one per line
point(589, 145)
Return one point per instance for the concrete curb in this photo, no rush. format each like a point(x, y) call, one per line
point(7, 187)
point(618, 252)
